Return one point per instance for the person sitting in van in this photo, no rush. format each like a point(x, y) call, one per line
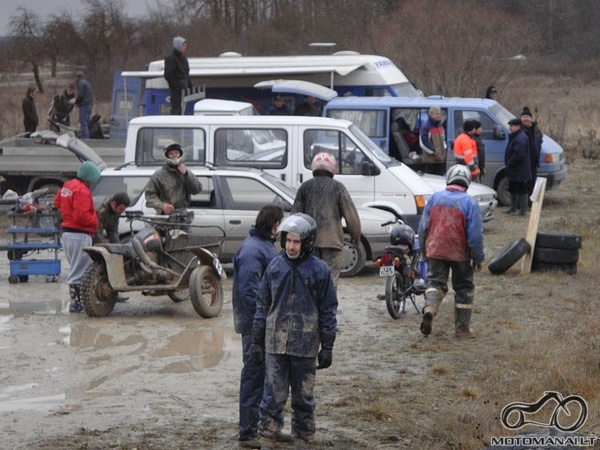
point(432, 140)
point(279, 108)
point(309, 107)
point(465, 148)
point(404, 143)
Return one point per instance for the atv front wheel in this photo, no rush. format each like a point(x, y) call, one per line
point(97, 295)
point(206, 292)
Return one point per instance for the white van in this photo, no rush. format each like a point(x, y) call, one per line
point(216, 107)
point(285, 146)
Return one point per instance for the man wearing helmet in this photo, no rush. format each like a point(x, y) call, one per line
point(327, 201)
point(295, 315)
point(451, 237)
point(172, 186)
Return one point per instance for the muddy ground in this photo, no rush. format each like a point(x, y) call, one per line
point(154, 375)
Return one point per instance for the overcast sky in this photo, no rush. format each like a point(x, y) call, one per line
point(45, 8)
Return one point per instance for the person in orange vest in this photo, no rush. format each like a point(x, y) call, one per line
point(465, 149)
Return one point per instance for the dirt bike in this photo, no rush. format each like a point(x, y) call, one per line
point(403, 269)
point(164, 257)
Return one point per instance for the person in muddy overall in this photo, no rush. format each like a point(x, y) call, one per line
point(451, 238)
point(79, 223)
point(296, 310)
point(172, 186)
point(328, 201)
point(249, 263)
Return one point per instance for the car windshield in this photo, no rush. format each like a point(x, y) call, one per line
point(106, 187)
point(502, 114)
point(370, 145)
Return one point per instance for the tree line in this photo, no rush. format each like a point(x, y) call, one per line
point(450, 48)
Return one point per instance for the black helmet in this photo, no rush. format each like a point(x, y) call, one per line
point(302, 225)
point(402, 235)
point(173, 162)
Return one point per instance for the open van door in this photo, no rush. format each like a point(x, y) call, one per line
point(125, 103)
point(298, 87)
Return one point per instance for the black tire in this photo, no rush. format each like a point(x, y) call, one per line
point(13, 279)
point(353, 260)
point(395, 298)
point(206, 292)
point(508, 256)
point(502, 191)
point(179, 296)
point(555, 255)
point(569, 269)
point(97, 295)
point(23, 278)
point(556, 239)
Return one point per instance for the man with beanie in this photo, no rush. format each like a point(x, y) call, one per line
point(518, 167)
point(79, 223)
point(535, 137)
point(177, 73)
point(465, 148)
point(249, 264)
point(84, 101)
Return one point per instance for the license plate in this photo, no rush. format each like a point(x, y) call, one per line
point(387, 271)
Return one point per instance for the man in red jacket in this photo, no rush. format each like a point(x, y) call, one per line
point(79, 223)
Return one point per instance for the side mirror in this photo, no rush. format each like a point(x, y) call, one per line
point(368, 168)
point(499, 133)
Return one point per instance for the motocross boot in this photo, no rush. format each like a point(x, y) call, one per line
point(462, 320)
point(75, 296)
point(433, 298)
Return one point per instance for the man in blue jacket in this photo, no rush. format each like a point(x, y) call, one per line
point(295, 314)
point(451, 237)
point(249, 264)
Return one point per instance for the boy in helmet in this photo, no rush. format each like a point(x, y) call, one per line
point(79, 223)
point(328, 201)
point(172, 186)
point(451, 237)
point(295, 315)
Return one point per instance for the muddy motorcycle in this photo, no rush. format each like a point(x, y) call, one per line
point(403, 269)
point(167, 256)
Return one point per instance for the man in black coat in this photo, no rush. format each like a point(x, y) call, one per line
point(518, 168)
point(177, 73)
point(30, 116)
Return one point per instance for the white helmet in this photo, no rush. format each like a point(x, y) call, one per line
point(324, 161)
point(173, 162)
point(459, 174)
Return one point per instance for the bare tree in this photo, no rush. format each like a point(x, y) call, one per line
point(26, 30)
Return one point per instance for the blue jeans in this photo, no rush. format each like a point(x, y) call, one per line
point(85, 114)
point(283, 372)
point(251, 392)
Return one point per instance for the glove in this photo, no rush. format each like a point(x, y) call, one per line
point(476, 266)
point(257, 348)
point(475, 172)
point(325, 357)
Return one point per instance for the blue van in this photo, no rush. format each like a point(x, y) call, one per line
point(375, 117)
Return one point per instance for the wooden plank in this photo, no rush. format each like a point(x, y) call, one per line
point(534, 221)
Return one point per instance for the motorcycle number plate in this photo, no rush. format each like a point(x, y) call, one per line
point(387, 271)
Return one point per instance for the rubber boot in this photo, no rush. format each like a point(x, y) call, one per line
point(521, 205)
point(75, 296)
point(513, 204)
point(462, 320)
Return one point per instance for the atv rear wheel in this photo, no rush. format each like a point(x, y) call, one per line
point(97, 295)
point(206, 292)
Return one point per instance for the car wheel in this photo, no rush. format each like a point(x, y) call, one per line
point(354, 258)
point(555, 255)
point(502, 190)
point(508, 256)
point(556, 239)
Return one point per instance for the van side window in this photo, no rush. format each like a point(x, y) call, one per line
point(191, 139)
point(371, 122)
point(487, 123)
point(346, 152)
point(251, 147)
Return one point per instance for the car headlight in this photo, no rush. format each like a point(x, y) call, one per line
point(487, 198)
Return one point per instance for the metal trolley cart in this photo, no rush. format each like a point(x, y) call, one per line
point(30, 235)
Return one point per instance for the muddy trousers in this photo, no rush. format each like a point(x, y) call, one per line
point(251, 392)
point(462, 282)
point(333, 258)
point(282, 373)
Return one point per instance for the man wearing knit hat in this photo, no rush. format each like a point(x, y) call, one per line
point(534, 136)
point(177, 73)
point(79, 223)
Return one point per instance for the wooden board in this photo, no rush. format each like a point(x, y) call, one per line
point(537, 198)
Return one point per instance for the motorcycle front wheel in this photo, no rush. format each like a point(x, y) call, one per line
point(97, 295)
point(206, 292)
point(395, 298)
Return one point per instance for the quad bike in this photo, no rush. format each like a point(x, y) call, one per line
point(162, 258)
point(403, 268)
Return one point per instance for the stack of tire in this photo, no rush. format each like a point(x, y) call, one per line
point(556, 251)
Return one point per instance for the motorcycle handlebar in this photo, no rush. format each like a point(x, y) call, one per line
point(396, 220)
